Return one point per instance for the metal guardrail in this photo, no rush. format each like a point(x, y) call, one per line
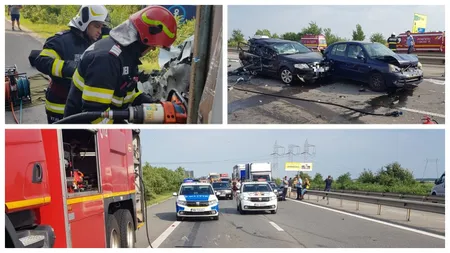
point(383, 201)
point(393, 195)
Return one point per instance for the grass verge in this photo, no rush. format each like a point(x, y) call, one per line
point(46, 30)
point(159, 198)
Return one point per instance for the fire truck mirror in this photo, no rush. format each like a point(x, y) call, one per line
point(37, 173)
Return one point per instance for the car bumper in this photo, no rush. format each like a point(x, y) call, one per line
point(259, 206)
point(311, 73)
point(207, 211)
point(224, 195)
point(405, 79)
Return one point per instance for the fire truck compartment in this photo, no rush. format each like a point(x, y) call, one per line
point(80, 159)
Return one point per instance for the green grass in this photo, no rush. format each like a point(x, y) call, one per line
point(46, 30)
point(159, 198)
point(422, 189)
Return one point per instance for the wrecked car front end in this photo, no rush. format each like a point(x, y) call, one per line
point(311, 71)
point(402, 70)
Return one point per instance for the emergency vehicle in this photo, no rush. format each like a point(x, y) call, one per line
point(314, 42)
point(424, 42)
point(73, 188)
point(196, 200)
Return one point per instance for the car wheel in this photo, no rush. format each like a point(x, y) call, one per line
point(240, 210)
point(286, 76)
point(179, 218)
point(273, 211)
point(377, 82)
point(216, 218)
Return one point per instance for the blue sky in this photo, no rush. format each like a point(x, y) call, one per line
point(337, 151)
point(342, 19)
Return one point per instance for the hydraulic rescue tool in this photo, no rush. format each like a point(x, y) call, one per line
point(172, 111)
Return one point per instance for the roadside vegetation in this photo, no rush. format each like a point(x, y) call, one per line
point(161, 182)
point(46, 20)
point(313, 29)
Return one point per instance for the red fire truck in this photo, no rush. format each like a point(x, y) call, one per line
point(424, 42)
point(73, 188)
point(314, 42)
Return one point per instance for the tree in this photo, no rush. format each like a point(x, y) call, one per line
point(291, 36)
point(358, 35)
point(264, 32)
point(366, 177)
point(275, 36)
point(237, 36)
point(378, 37)
point(313, 29)
point(331, 38)
point(393, 174)
point(344, 180)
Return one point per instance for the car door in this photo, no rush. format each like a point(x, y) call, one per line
point(336, 58)
point(440, 191)
point(356, 65)
point(269, 60)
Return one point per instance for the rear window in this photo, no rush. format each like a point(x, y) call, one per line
point(339, 50)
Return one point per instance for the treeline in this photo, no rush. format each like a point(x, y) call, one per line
point(158, 180)
point(313, 29)
point(390, 178)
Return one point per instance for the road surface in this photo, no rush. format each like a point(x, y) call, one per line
point(18, 45)
point(248, 108)
point(296, 225)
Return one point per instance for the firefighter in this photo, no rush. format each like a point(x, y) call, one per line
point(392, 42)
point(61, 52)
point(106, 76)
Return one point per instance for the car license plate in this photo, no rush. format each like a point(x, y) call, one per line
point(259, 204)
point(198, 209)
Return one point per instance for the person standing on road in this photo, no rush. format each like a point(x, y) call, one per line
point(62, 52)
point(410, 42)
point(305, 187)
point(328, 183)
point(106, 78)
point(285, 188)
point(299, 187)
point(289, 187)
point(392, 42)
point(14, 11)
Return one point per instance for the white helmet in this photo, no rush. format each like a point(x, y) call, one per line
point(393, 34)
point(89, 13)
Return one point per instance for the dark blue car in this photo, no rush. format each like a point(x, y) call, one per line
point(373, 63)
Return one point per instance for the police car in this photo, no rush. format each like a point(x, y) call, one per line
point(257, 196)
point(196, 199)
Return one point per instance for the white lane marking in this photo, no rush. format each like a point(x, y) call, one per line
point(435, 81)
point(373, 220)
point(276, 226)
point(423, 112)
point(165, 234)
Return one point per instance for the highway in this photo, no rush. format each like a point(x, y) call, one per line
point(248, 108)
point(295, 225)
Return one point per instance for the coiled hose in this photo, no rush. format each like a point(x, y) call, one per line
point(23, 91)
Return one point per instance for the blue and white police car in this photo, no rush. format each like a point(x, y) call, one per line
point(196, 199)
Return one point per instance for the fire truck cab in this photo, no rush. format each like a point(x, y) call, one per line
point(314, 42)
point(72, 188)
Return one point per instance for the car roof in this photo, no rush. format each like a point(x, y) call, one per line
point(270, 41)
point(195, 183)
point(256, 182)
point(354, 42)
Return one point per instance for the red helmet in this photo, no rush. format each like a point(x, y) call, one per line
point(156, 26)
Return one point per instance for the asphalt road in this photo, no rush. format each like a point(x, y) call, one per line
point(296, 225)
point(248, 108)
point(18, 45)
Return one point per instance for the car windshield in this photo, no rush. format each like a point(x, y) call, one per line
point(256, 188)
point(377, 50)
point(221, 185)
point(196, 190)
point(290, 48)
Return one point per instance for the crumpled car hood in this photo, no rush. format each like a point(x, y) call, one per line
point(401, 60)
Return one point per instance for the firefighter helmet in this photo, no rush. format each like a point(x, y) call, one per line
point(88, 14)
point(156, 26)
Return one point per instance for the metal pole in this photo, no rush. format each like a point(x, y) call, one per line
point(341, 202)
point(379, 210)
point(408, 214)
point(357, 205)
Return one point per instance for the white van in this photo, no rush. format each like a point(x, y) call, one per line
point(439, 188)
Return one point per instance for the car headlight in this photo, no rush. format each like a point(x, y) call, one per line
point(245, 198)
point(228, 191)
point(393, 68)
point(212, 202)
point(419, 65)
point(273, 198)
point(301, 66)
point(181, 202)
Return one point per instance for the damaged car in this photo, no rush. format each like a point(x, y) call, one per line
point(373, 63)
point(287, 60)
point(175, 72)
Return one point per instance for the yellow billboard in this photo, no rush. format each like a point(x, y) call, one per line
point(296, 166)
point(420, 23)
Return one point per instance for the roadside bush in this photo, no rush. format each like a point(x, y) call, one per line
point(158, 180)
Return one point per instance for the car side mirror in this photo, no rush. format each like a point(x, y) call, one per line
point(436, 181)
point(322, 51)
point(174, 194)
point(361, 57)
point(275, 191)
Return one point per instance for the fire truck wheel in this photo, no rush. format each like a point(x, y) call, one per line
point(112, 232)
point(126, 225)
point(376, 82)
